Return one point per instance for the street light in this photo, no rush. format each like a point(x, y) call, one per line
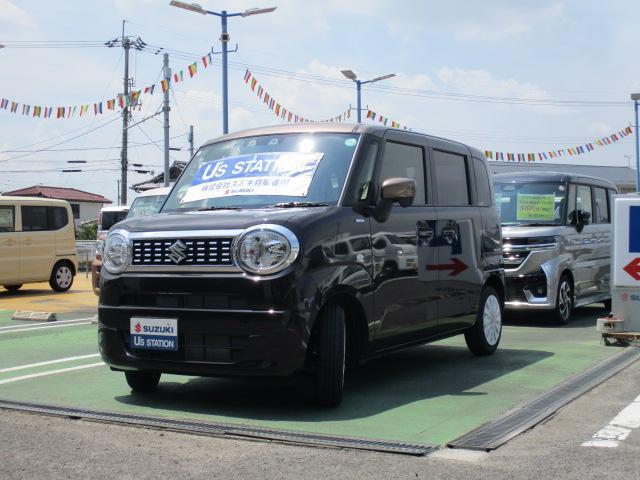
point(635, 97)
point(352, 76)
point(224, 39)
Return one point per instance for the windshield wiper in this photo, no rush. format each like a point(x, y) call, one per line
point(204, 209)
point(540, 224)
point(299, 204)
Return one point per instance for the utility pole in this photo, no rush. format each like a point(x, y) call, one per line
point(190, 142)
point(118, 190)
point(125, 121)
point(166, 108)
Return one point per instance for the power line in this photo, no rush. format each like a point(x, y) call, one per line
point(61, 143)
point(117, 147)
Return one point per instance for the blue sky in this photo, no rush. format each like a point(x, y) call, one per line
point(560, 50)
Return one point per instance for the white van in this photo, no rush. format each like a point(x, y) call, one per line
point(108, 217)
point(37, 243)
point(149, 202)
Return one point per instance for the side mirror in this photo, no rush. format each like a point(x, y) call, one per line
point(400, 190)
point(582, 218)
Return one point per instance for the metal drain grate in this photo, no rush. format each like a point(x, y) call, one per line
point(219, 429)
point(497, 432)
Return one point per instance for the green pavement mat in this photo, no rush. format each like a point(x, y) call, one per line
point(429, 394)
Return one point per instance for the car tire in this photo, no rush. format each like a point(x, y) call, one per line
point(564, 301)
point(330, 357)
point(61, 277)
point(483, 338)
point(142, 382)
point(607, 305)
point(13, 288)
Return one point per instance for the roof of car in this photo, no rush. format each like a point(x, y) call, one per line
point(551, 176)
point(32, 200)
point(328, 127)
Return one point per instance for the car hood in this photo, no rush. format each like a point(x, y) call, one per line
point(215, 219)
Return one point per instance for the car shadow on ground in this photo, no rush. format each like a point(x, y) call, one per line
point(383, 384)
point(582, 317)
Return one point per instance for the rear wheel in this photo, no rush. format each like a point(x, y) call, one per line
point(61, 277)
point(564, 300)
point(142, 382)
point(483, 338)
point(13, 288)
point(330, 352)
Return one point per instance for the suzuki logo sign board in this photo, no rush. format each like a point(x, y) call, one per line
point(626, 241)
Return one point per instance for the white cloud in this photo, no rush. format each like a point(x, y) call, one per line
point(13, 16)
point(505, 22)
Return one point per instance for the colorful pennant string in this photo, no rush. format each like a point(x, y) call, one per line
point(121, 100)
point(528, 157)
point(282, 112)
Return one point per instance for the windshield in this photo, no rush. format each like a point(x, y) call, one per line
point(254, 172)
point(531, 203)
point(146, 205)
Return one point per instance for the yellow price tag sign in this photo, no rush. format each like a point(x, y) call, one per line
point(535, 207)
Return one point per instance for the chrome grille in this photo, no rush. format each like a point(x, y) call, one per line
point(198, 251)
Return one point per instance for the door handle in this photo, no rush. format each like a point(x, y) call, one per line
point(10, 242)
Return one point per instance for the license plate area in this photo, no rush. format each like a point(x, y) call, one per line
point(152, 333)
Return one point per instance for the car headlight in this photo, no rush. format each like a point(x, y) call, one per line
point(116, 252)
point(266, 249)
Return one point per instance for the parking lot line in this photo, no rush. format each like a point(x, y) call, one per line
point(49, 362)
point(59, 322)
point(50, 372)
point(25, 329)
point(618, 428)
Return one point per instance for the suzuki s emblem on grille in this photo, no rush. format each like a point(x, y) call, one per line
point(176, 252)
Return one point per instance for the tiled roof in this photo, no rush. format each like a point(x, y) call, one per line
point(60, 193)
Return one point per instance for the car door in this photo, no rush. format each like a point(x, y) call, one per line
point(37, 243)
point(405, 298)
point(458, 233)
point(9, 246)
point(583, 245)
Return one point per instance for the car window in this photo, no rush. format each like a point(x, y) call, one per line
point(34, 218)
point(58, 217)
point(361, 185)
point(452, 178)
point(405, 161)
point(7, 219)
point(583, 199)
point(482, 183)
point(601, 214)
point(360, 243)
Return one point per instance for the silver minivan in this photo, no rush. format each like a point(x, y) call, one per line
point(556, 240)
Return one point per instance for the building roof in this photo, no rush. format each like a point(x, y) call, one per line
point(623, 177)
point(60, 193)
point(158, 181)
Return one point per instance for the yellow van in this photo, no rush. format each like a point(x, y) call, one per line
point(37, 243)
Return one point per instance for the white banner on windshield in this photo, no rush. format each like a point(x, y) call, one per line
point(274, 173)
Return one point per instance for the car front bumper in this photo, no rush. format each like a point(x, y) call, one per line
point(221, 331)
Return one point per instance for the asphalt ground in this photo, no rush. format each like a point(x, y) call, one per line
point(36, 446)
point(429, 394)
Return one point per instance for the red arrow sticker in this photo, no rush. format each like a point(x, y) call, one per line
point(456, 267)
point(633, 268)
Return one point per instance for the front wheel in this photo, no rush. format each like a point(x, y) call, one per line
point(564, 301)
point(142, 382)
point(483, 338)
point(61, 277)
point(330, 352)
